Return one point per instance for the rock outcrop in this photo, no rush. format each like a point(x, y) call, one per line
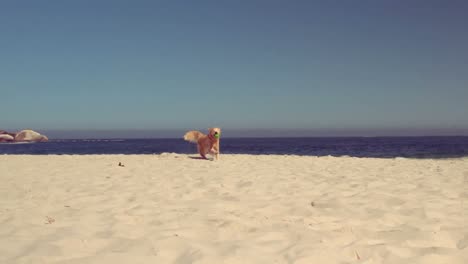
point(6, 138)
point(30, 136)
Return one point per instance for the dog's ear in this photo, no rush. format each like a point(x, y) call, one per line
point(210, 130)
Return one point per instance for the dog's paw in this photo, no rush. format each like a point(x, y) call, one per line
point(214, 151)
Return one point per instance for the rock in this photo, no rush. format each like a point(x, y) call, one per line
point(30, 136)
point(6, 138)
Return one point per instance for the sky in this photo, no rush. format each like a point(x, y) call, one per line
point(251, 67)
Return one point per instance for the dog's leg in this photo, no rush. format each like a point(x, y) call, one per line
point(201, 152)
point(215, 151)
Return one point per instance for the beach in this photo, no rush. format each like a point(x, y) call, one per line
point(174, 208)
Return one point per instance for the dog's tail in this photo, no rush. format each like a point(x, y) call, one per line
point(193, 136)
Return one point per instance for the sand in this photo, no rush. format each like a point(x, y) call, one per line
point(171, 208)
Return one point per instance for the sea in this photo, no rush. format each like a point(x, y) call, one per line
point(377, 147)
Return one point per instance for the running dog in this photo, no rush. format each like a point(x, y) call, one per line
point(207, 144)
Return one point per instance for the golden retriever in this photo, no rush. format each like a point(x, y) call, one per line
point(207, 144)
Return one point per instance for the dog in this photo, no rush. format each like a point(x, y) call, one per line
point(207, 144)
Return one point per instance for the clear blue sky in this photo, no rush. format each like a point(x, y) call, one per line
point(388, 66)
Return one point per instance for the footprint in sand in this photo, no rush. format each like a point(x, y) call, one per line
point(244, 184)
point(463, 243)
point(189, 256)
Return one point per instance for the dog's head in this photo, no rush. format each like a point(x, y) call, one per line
point(215, 132)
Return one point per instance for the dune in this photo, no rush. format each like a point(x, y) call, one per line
point(172, 208)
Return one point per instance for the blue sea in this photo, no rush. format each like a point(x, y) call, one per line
point(382, 147)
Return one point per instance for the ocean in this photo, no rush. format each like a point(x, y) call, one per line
point(379, 147)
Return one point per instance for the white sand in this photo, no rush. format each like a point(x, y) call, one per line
point(243, 209)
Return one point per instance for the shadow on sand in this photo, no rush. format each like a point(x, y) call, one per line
point(198, 158)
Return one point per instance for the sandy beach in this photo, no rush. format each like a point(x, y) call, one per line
point(172, 208)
